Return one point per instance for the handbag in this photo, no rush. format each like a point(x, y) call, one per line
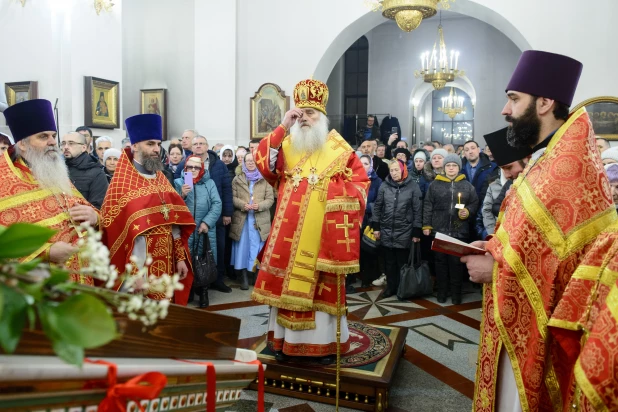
point(204, 266)
point(414, 276)
point(369, 243)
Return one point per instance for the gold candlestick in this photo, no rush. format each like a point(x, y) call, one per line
point(459, 197)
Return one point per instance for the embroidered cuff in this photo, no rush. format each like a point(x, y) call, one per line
point(179, 250)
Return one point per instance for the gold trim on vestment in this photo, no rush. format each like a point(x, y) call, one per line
point(563, 246)
point(521, 389)
point(141, 213)
point(588, 389)
point(337, 267)
point(345, 205)
point(534, 297)
point(608, 277)
point(298, 325)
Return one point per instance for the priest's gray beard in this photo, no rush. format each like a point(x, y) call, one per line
point(309, 139)
point(151, 163)
point(48, 168)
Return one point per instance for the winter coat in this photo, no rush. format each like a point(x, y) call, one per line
point(372, 195)
point(205, 205)
point(88, 177)
point(483, 169)
point(489, 219)
point(397, 213)
point(429, 173)
point(419, 178)
point(439, 212)
point(262, 195)
point(108, 175)
point(495, 209)
point(380, 167)
point(220, 175)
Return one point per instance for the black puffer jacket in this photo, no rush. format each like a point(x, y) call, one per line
point(88, 177)
point(397, 213)
point(439, 212)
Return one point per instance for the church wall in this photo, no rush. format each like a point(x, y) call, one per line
point(57, 42)
point(158, 41)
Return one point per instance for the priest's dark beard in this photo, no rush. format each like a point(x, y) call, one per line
point(524, 131)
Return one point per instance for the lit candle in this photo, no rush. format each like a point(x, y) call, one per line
point(459, 196)
point(456, 60)
point(423, 62)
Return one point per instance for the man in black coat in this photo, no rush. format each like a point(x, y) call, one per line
point(379, 166)
point(85, 172)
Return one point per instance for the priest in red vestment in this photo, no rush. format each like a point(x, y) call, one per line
point(142, 214)
point(553, 212)
point(315, 235)
point(36, 187)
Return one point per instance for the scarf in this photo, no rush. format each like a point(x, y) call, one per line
point(227, 147)
point(201, 173)
point(252, 176)
point(404, 171)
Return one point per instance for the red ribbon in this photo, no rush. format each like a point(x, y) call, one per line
point(146, 386)
point(211, 383)
point(260, 382)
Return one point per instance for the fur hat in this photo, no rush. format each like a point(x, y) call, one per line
point(452, 158)
point(111, 152)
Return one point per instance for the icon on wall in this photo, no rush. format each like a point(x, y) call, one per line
point(18, 92)
point(154, 101)
point(101, 103)
point(268, 106)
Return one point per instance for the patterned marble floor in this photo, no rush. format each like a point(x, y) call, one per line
point(437, 372)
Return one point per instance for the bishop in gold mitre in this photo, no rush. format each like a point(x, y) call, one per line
point(315, 235)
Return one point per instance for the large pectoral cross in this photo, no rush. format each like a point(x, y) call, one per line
point(165, 211)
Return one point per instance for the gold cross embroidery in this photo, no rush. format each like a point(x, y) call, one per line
point(345, 226)
point(338, 143)
point(322, 287)
point(302, 200)
point(323, 190)
point(260, 159)
point(347, 243)
point(135, 227)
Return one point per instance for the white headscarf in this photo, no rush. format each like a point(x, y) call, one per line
point(227, 147)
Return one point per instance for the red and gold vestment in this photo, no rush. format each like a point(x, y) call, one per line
point(22, 200)
point(315, 234)
point(553, 212)
point(137, 206)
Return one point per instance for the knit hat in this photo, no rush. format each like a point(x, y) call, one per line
point(451, 158)
point(612, 172)
point(611, 153)
point(442, 153)
point(420, 154)
point(111, 152)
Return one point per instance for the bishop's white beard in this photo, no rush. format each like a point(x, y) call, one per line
point(309, 139)
point(48, 168)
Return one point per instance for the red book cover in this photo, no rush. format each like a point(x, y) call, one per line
point(451, 246)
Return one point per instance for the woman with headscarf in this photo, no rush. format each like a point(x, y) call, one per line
point(202, 199)
point(369, 263)
point(240, 156)
point(250, 227)
point(227, 156)
point(612, 173)
point(396, 221)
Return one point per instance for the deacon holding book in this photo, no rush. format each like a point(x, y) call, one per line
point(143, 215)
point(315, 236)
point(557, 206)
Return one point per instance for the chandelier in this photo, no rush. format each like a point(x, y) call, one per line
point(452, 105)
point(437, 67)
point(408, 13)
point(103, 5)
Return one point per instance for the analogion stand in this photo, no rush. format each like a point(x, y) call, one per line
point(365, 387)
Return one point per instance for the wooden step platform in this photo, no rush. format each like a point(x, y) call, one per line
point(364, 387)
